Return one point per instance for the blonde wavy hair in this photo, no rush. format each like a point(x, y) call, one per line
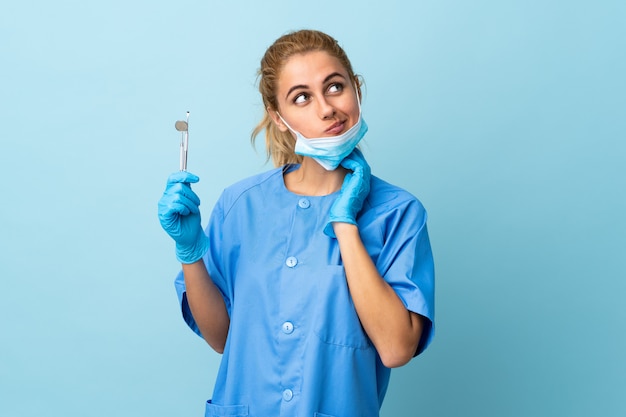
point(280, 145)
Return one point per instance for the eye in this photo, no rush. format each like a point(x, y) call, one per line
point(300, 98)
point(335, 88)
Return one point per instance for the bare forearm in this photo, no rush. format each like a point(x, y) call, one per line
point(206, 305)
point(394, 331)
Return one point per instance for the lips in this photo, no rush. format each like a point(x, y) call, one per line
point(335, 128)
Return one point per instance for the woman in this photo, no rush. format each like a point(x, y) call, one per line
point(315, 278)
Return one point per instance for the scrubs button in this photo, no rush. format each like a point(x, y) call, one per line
point(287, 395)
point(287, 327)
point(291, 261)
point(304, 203)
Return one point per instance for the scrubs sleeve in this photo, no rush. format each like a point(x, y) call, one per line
point(179, 283)
point(406, 263)
point(212, 261)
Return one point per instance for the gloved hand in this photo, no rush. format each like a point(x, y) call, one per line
point(355, 188)
point(179, 214)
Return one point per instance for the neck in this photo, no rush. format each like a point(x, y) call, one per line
point(313, 180)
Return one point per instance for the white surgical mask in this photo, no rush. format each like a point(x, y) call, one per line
point(331, 150)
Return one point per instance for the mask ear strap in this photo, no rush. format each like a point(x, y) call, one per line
point(358, 97)
point(285, 122)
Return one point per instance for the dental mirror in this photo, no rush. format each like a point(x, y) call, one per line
point(183, 127)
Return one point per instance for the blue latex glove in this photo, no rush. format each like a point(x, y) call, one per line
point(355, 188)
point(179, 214)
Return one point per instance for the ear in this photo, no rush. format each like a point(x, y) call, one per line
point(277, 120)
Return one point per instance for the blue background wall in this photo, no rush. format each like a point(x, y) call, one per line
point(507, 119)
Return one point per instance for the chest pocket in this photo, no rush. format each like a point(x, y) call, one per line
point(335, 320)
point(214, 410)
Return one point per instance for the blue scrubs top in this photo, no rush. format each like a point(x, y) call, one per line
point(295, 346)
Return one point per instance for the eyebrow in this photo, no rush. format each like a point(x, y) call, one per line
point(303, 86)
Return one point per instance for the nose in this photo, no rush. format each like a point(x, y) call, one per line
point(326, 109)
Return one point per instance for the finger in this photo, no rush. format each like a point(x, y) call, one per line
point(172, 213)
point(182, 177)
point(358, 154)
point(347, 183)
point(174, 204)
point(349, 163)
point(354, 166)
point(355, 159)
point(183, 190)
point(184, 205)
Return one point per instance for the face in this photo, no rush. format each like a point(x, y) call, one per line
point(316, 96)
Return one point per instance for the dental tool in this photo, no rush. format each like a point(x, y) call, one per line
point(183, 127)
